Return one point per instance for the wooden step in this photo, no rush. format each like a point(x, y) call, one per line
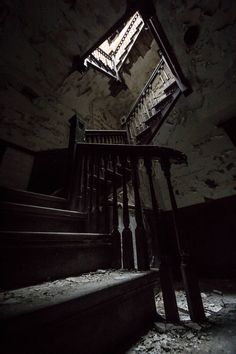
point(32, 257)
point(15, 216)
point(26, 197)
point(77, 316)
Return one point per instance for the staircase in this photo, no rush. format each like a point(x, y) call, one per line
point(152, 106)
point(50, 243)
point(110, 64)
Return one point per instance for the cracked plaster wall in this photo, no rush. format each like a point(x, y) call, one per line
point(38, 42)
point(40, 90)
point(193, 125)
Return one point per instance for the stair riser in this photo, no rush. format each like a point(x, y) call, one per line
point(16, 221)
point(32, 263)
point(24, 199)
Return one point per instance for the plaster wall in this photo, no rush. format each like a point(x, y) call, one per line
point(193, 125)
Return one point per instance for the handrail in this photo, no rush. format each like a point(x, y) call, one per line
point(138, 151)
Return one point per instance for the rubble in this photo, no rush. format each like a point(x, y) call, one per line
point(187, 336)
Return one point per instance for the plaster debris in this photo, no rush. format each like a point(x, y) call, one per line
point(190, 337)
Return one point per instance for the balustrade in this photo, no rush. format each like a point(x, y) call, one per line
point(152, 103)
point(106, 136)
point(103, 169)
point(122, 50)
point(100, 171)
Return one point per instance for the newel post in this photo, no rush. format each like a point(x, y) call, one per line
point(190, 281)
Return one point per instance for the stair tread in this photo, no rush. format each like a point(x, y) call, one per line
point(35, 209)
point(81, 292)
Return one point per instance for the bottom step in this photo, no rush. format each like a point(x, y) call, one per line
point(77, 315)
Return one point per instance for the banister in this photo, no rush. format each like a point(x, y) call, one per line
point(139, 151)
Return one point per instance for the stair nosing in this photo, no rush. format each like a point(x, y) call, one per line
point(37, 209)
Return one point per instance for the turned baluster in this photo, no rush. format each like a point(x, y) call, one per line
point(97, 201)
point(127, 239)
point(105, 196)
point(85, 183)
point(91, 183)
point(116, 238)
point(140, 235)
point(160, 249)
point(190, 282)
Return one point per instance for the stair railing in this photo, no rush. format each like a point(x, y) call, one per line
point(111, 64)
point(106, 136)
point(128, 39)
point(99, 171)
point(103, 62)
point(109, 167)
point(157, 94)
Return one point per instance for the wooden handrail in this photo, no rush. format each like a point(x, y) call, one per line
point(139, 151)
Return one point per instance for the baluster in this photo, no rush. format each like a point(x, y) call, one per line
point(105, 196)
point(140, 236)
point(160, 248)
point(127, 239)
point(91, 183)
point(85, 183)
point(146, 107)
point(190, 282)
point(165, 74)
point(116, 238)
point(129, 131)
point(97, 212)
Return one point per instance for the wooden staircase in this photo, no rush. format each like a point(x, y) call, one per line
point(46, 239)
